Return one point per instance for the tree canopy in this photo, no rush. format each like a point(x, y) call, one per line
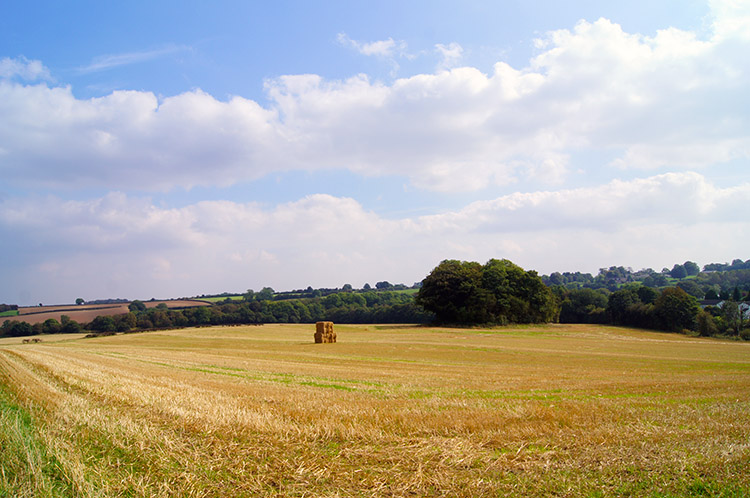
point(500, 292)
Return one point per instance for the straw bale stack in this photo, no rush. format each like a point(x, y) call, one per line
point(324, 332)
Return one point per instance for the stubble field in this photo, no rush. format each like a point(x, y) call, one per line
point(387, 411)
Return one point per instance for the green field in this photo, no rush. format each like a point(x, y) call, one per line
point(8, 313)
point(552, 410)
point(219, 299)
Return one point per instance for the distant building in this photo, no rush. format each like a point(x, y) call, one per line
point(718, 303)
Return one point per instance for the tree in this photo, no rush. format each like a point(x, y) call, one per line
point(691, 268)
point(383, 285)
point(347, 288)
point(520, 296)
point(711, 295)
point(103, 324)
point(14, 328)
point(676, 310)
point(583, 306)
point(678, 271)
point(647, 295)
point(618, 304)
point(498, 292)
point(51, 326)
point(655, 280)
point(452, 292)
point(730, 313)
point(265, 294)
point(556, 278)
point(706, 325)
point(80, 301)
point(137, 306)
point(366, 286)
point(70, 327)
point(736, 294)
point(692, 288)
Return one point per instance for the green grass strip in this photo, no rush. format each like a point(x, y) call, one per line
point(27, 467)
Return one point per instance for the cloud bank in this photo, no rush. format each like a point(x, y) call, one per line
point(660, 115)
point(121, 242)
point(667, 102)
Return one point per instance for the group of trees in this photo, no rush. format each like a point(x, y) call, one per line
point(460, 292)
point(16, 328)
point(715, 276)
point(670, 309)
point(498, 292)
point(8, 307)
point(343, 307)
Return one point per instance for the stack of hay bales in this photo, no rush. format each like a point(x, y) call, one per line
point(324, 332)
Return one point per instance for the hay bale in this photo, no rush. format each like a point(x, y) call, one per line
point(324, 332)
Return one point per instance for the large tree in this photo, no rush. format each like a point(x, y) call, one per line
point(676, 310)
point(453, 291)
point(678, 271)
point(691, 268)
point(498, 292)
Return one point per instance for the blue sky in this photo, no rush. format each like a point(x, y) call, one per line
point(166, 149)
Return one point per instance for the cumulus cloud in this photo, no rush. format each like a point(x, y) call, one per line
point(24, 69)
point(731, 18)
point(122, 242)
point(668, 102)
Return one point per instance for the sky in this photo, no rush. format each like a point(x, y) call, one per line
point(176, 148)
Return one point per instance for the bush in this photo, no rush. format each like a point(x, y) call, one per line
point(745, 334)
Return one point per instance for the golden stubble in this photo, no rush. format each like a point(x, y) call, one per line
point(387, 411)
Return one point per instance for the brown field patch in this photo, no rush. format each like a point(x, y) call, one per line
point(87, 312)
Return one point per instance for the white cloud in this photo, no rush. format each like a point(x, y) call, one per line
point(21, 67)
point(118, 245)
point(381, 48)
point(109, 61)
point(671, 102)
point(450, 54)
point(731, 18)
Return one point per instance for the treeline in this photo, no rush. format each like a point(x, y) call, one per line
point(343, 307)
point(15, 328)
point(467, 293)
point(669, 309)
point(716, 278)
point(267, 293)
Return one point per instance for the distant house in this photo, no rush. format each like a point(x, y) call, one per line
point(718, 303)
point(745, 310)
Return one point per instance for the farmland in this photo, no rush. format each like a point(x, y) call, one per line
point(87, 312)
point(566, 410)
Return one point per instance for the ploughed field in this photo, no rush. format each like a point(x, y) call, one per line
point(558, 410)
point(87, 312)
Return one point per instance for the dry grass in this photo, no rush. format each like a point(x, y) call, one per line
point(386, 411)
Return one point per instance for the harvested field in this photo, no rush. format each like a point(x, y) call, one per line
point(386, 411)
point(87, 312)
